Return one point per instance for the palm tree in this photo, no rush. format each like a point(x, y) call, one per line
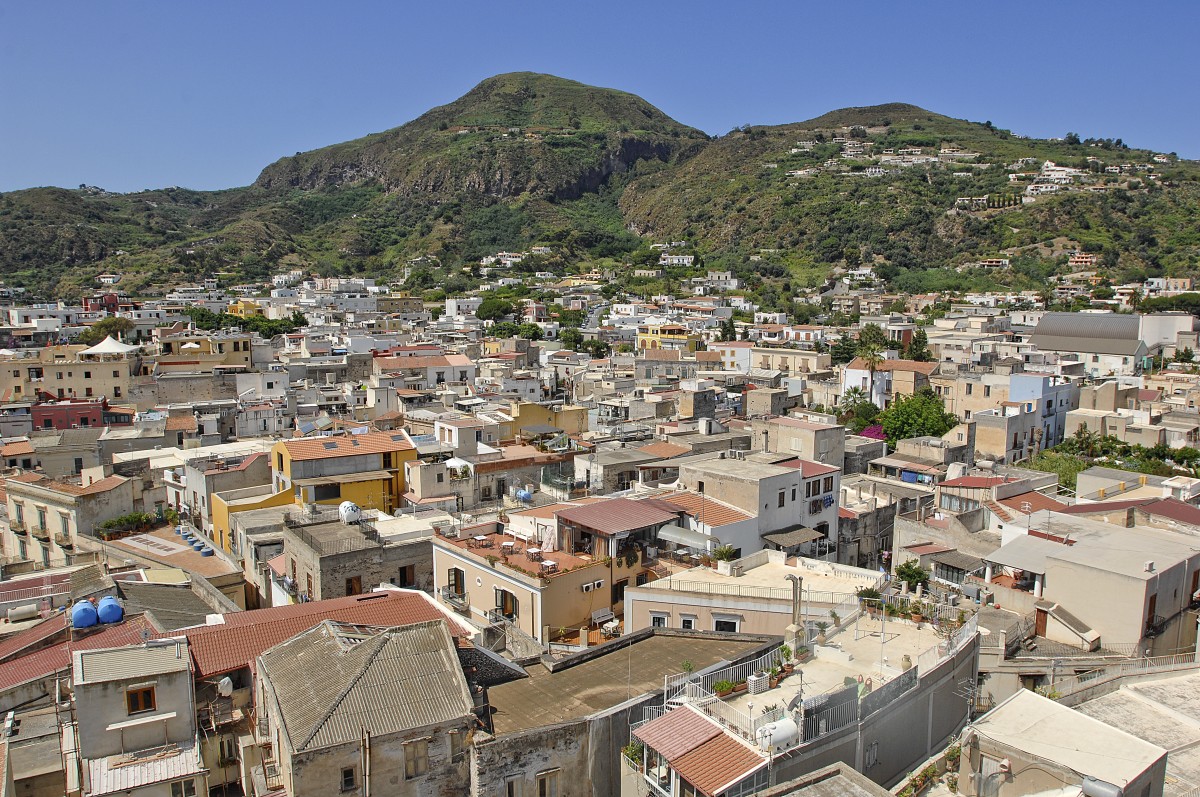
point(852, 398)
point(872, 357)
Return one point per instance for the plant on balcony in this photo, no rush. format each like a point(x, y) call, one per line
point(724, 553)
point(822, 627)
point(634, 752)
point(835, 619)
point(723, 687)
point(953, 754)
point(739, 686)
point(803, 654)
point(916, 611)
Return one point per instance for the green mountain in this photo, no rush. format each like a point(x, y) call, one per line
point(597, 174)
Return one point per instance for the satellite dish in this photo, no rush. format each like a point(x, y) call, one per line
point(145, 634)
point(225, 687)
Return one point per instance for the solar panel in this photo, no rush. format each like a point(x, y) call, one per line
point(330, 446)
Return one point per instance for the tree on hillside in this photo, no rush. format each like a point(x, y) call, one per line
point(571, 339)
point(529, 331)
point(1184, 355)
point(504, 329)
point(843, 351)
point(918, 347)
point(728, 330)
point(493, 309)
point(916, 416)
point(872, 335)
point(596, 348)
point(112, 325)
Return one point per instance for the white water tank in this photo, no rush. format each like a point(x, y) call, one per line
point(349, 512)
point(778, 736)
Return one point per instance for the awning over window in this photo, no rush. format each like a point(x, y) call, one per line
point(682, 536)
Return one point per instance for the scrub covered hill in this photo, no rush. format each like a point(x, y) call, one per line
point(597, 174)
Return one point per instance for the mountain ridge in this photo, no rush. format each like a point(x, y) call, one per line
point(527, 158)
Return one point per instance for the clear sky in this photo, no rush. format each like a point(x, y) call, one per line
point(152, 93)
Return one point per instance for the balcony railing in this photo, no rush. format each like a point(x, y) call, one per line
point(460, 601)
point(18, 527)
point(41, 532)
point(498, 616)
point(63, 540)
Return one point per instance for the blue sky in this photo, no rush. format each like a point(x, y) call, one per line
point(146, 94)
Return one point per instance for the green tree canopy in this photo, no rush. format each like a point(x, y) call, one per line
point(529, 331)
point(918, 348)
point(111, 325)
point(915, 416)
point(571, 339)
point(493, 309)
point(872, 335)
point(843, 351)
point(912, 573)
point(504, 329)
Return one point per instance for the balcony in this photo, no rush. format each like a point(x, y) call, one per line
point(18, 527)
point(459, 601)
point(1155, 626)
point(498, 616)
point(41, 532)
point(63, 540)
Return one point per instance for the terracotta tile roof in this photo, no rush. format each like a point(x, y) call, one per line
point(717, 764)
point(242, 636)
point(1037, 502)
point(181, 423)
point(713, 513)
point(808, 468)
point(708, 356)
point(57, 658)
point(926, 549)
point(16, 448)
point(1105, 506)
point(103, 485)
point(677, 732)
point(664, 450)
point(858, 364)
point(1174, 509)
point(347, 445)
point(616, 515)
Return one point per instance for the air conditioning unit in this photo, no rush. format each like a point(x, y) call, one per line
point(587, 587)
point(598, 584)
point(758, 684)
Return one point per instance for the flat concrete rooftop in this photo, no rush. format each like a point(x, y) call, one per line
point(546, 698)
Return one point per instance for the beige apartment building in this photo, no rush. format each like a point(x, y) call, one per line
point(68, 372)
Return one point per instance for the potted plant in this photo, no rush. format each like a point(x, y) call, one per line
point(821, 628)
point(803, 654)
point(739, 686)
point(775, 677)
point(890, 610)
point(723, 687)
point(688, 668)
point(916, 611)
point(785, 658)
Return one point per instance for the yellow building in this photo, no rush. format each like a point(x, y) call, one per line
point(199, 350)
point(367, 469)
point(227, 504)
point(667, 336)
point(571, 418)
point(246, 308)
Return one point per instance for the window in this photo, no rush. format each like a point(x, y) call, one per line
point(728, 625)
point(456, 580)
point(618, 590)
point(506, 604)
point(793, 493)
point(456, 746)
point(687, 623)
point(117, 375)
point(441, 477)
point(311, 592)
point(987, 390)
point(512, 787)
point(183, 788)
point(20, 513)
point(827, 487)
point(139, 699)
point(354, 585)
point(700, 487)
point(41, 518)
point(416, 758)
point(348, 779)
point(970, 388)
point(64, 524)
point(782, 497)
point(87, 374)
point(547, 784)
point(658, 620)
point(45, 556)
point(408, 576)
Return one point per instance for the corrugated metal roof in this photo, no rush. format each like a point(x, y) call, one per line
point(121, 664)
point(1092, 333)
point(616, 515)
point(331, 683)
point(120, 774)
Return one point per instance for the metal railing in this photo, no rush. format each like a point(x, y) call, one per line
point(675, 685)
point(750, 591)
point(1102, 675)
point(460, 601)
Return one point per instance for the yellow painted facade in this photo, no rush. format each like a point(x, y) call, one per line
point(246, 308)
point(221, 513)
point(572, 418)
point(383, 494)
point(667, 336)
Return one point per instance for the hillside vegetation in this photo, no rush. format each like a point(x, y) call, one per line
point(596, 174)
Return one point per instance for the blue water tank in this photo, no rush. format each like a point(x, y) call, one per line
point(83, 615)
point(109, 610)
point(524, 495)
point(197, 545)
point(179, 529)
point(207, 552)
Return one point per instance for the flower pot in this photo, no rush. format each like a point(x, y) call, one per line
point(916, 617)
point(789, 667)
point(738, 688)
point(724, 692)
